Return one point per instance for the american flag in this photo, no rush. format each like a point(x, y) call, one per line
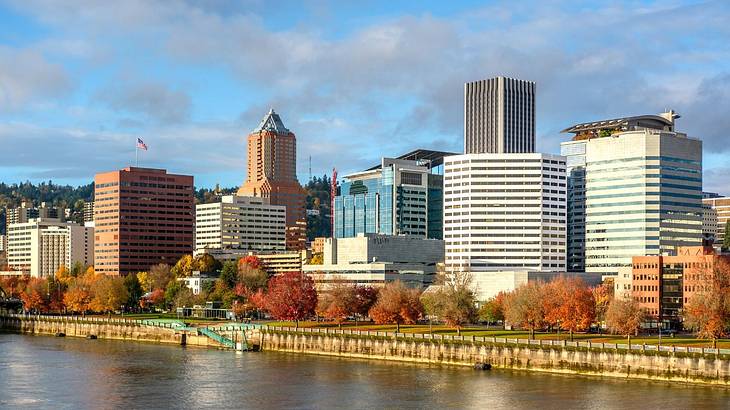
point(141, 144)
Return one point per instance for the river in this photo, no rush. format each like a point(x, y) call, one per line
point(47, 372)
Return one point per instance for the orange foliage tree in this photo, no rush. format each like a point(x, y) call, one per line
point(35, 295)
point(570, 304)
point(397, 304)
point(708, 311)
point(338, 302)
point(108, 293)
point(493, 310)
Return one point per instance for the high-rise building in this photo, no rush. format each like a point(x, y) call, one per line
point(398, 197)
point(143, 217)
point(499, 116)
point(635, 188)
point(272, 174)
point(26, 211)
point(240, 223)
point(41, 246)
point(504, 212)
point(717, 210)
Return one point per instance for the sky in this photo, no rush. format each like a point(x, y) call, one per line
point(355, 81)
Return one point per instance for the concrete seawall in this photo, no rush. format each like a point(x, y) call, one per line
point(595, 361)
point(118, 329)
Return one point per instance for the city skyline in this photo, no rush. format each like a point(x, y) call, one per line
point(346, 82)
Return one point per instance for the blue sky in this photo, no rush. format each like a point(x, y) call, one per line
point(80, 80)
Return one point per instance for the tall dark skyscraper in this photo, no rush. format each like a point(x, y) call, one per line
point(499, 116)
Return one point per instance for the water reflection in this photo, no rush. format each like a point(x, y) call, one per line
point(47, 372)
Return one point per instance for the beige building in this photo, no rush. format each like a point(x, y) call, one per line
point(41, 246)
point(240, 223)
point(717, 213)
point(371, 259)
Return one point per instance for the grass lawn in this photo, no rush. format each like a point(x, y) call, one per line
point(678, 340)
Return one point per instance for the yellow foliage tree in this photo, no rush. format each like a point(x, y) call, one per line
point(63, 275)
point(108, 293)
point(145, 280)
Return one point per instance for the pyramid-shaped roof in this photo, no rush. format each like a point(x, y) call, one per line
point(272, 122)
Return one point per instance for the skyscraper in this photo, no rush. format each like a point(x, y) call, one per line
point(499, 116)
point(635, 189)
point(143, 217)
point(272, 174)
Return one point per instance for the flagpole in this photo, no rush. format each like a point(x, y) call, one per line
point(136, 156)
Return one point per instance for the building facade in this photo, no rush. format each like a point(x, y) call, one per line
point(499, 116)
point(505, 212)
point(143, 217)
point(246, 223)
point(88, 211)
point(717, 213)
point(41, 246)
point(636, 188)
point(664, 284)
point(371, 259)
point(272, 174)
point(400, 197)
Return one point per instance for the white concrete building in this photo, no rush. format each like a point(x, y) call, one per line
point(41, 246)
point(504, 212)
point(196, 281)
point(371, 259)
point(488, 284)
point(240, 223)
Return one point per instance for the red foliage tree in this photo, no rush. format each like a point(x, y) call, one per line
point(35, 296)
point(290, 296)
point(570, 304)
point(338, 302)
point(365, 298)
point(397, 304)
point(250, 261)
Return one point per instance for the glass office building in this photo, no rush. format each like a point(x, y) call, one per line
point(399, 197)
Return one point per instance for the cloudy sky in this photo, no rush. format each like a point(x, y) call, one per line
point(80, 80)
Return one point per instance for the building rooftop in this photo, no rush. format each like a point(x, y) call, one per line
point(430, 158)
point(663, 121)
point(272, 123)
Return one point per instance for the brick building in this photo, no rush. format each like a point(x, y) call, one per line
point(272, 174)
point(664, 284)
point(143, 217)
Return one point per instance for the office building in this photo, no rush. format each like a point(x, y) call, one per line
point(499, 116)
point(504, 212)
point(717, 213)
point(371, 259)
point(272, 174)
point(26, 211)
point(40, 246)
point(401, 196)
point(239, 222)
point(143, 217)
point(636, 188)
point(663, 284)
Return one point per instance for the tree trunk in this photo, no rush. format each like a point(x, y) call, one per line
point(714, 343)
point(629, 339)
point(296, 326)
point(571, 335)
point(430, 325)
point(532, 333)
point(397, 327)
point(339, 324)
point(458, 331)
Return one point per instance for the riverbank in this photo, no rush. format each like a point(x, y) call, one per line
point(665, 363)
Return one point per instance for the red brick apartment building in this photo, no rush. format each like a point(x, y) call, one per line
point(143, 216)
point(663, 284)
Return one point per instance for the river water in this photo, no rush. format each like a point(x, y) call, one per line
point(48, 372)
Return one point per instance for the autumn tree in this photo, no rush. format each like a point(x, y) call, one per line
point(108, 293)
point(229, 273)
point(184, 266)
point(708, 311)
point(365, 298)
point(452, 300)
point(78, 295)
point(145, 281)
point(726, 238)
point(338, 302)
point(524, 307)
point(290, 296)
point(492, 311)
point(35, 295)
point(206, 263)
point(602, 296)
point(251, 274)
point(571, 305)
point(160, 275)
point(397, 304)
point(624, 317)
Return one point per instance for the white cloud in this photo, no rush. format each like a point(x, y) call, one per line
point(27, 78)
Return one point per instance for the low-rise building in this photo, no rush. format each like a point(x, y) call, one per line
point(196, 281)
point(41, 246)
point(663, 284)
point(240, 223)
point(371, 259)
point(487, 285)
